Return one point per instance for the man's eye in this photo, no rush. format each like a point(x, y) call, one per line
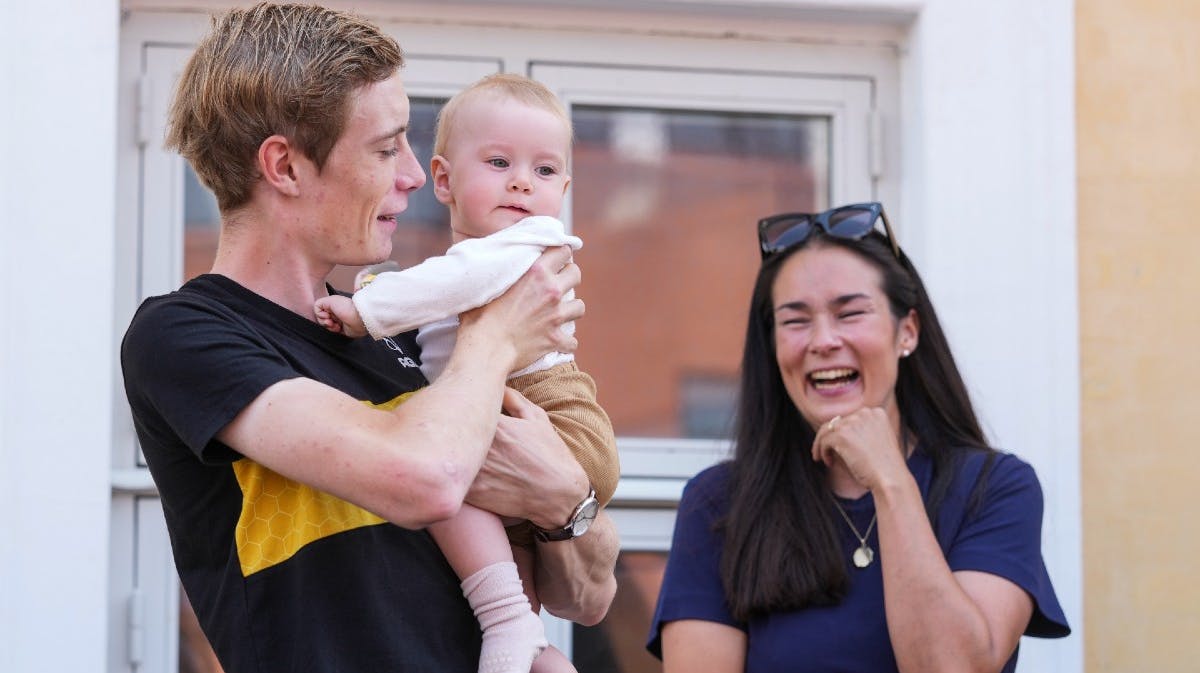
point(391, 152)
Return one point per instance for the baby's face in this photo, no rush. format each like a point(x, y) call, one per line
point(506, 161)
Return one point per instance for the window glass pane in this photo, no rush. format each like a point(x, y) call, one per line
point(424, 228)
point(666, 202)
point(618, 644)
point(201, 225)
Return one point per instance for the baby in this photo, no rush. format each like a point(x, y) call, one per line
point(501, 166)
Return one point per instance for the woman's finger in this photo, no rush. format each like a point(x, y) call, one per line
point(821, 444)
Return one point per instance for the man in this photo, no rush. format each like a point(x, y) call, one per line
point(284, 454)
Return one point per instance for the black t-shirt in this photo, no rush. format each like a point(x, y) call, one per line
point(282, 577)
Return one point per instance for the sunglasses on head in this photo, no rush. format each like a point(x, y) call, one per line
point(780, 232)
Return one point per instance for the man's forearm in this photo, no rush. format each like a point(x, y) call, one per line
point(575, 578)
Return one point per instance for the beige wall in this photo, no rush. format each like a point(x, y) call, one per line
point(1138, 97)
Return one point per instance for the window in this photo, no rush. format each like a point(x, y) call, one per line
point(681, 146)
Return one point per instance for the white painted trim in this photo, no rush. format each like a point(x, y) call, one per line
point(57, 357)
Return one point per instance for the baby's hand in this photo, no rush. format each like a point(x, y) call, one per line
point(339, 315)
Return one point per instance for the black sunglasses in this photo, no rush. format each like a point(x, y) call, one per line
point(780, 232)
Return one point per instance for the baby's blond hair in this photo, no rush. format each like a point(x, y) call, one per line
point(502, 85)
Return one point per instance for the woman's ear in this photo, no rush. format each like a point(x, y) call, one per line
point(908, 332)
point(276, 162)
point(439, 171)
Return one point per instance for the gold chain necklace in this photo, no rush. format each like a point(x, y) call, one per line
point(864, 555)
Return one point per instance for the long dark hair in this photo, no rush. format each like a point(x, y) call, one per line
point(781, 549)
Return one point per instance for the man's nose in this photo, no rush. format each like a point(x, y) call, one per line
point(409, 174)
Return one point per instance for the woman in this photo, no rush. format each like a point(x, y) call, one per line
point(863, 523)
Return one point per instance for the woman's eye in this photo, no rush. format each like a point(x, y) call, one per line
point(851, 314)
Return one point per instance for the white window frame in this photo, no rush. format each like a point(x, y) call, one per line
point(440, 60)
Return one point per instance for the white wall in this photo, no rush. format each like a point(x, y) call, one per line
point(989, 174)
point(57, 126)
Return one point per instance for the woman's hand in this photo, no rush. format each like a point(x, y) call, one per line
point(866, 443)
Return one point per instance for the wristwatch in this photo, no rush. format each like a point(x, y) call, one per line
point(581, 519)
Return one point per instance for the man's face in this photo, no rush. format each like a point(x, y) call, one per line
point(364, 184)
point(505, 161)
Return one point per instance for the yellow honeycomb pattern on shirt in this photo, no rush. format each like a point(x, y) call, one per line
point(279, 516)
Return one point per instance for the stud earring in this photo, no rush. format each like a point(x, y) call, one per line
point(905, 353)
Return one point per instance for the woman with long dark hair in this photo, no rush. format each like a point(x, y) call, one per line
point(864, 524)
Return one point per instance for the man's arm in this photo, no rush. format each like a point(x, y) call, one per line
point(531, 474)
point(575, 579)
point(412, 465)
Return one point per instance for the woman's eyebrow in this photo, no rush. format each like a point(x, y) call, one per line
point(837, 302)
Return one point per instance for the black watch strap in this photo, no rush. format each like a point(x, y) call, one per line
point(581, 519)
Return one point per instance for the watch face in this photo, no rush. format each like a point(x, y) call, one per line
point(586, 515)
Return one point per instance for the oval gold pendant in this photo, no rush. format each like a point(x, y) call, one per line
point(863, 556)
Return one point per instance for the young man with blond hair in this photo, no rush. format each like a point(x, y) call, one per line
point(296, 467)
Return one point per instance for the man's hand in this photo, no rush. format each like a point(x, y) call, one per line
point(530, 314)
point(529, 472)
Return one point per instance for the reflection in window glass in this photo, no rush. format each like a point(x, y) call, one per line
point(201, 225)
point(424, 228)
point(618, 644)
point(666, 202)
point(707, 405)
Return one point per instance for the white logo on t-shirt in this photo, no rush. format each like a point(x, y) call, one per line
point(404, 360)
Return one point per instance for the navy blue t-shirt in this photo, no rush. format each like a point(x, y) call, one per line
point(1001, 537)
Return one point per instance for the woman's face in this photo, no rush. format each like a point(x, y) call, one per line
point(836, 342)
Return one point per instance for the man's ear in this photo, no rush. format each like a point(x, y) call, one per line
point(439, 171)
point(276, 162)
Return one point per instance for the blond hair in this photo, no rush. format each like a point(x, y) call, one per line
point(272, 69)
point(502, 85)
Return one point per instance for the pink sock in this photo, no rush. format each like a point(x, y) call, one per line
point(512, 634)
